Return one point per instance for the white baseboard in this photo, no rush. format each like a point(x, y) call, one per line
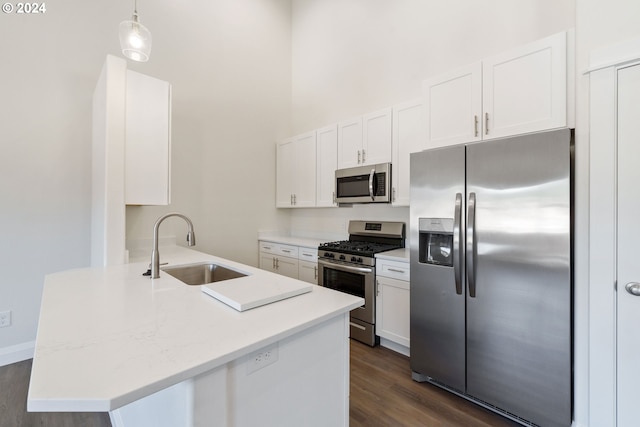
point(398, 348)
point(17, 353)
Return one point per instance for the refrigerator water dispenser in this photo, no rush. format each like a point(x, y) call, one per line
point(436, 241)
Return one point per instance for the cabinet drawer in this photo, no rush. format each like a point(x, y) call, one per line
point(393, 269)
point(268, 247)
point(287, 250)
point(308, 254)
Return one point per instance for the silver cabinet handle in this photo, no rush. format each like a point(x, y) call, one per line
point(633, 288)
point(362, 156)
point(315, 273)
point(393, 192)
point(291, 199)
point(373, 172)
point(475, 125)
point(471, 245)
point(273, 263)
point(486, 123)
point(277, 263)
point(457, 239)
point(358, 156)
point(334, 197)
point(287, 251)
point(396, 271)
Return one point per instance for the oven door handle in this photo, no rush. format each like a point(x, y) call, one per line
point(343, 267)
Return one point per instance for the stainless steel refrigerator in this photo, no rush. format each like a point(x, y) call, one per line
point(491, 274)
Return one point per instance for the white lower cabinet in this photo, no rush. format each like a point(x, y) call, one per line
point(308, 271)
point(288, 260)
point(392, 304)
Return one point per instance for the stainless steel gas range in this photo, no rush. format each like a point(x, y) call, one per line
point(350, 266)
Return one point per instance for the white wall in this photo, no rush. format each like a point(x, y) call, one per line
point(231, 103)
point(229, 64)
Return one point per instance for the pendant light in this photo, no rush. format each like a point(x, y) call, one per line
point(135, 38)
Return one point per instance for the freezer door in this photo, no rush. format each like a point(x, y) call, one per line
point(436, 239)
point(519, 309)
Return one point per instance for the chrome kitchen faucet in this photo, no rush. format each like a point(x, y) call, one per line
point(155, 255)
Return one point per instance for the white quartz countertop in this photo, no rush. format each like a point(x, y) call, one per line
point(402, 255)
point(110, 336)
point(304, 242)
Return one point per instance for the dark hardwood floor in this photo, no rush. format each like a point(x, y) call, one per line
point(382, 394)
point(14, 384)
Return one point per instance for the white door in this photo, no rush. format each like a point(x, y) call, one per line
point(628, 339)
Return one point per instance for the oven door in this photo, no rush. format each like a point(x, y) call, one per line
point(351, 279)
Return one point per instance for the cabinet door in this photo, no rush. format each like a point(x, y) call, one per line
point(267, 262)
point(148, 141)
point(525, 90)
point(453, 107)
point(408, 137)
point(285, 167)
point(376, 137)
point(326, 165)
point(350, 143)
point(304, 179)
point(287, 266)
point(392, 310)
point(308, 271)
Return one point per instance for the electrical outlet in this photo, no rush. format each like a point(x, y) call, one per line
point(5, 319)
point(262, 358)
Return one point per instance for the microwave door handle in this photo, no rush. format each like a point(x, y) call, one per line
point(371, 175)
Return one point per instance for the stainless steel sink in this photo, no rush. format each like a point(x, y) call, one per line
point(202, 273)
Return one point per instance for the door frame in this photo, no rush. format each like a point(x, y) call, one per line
point(603, 72)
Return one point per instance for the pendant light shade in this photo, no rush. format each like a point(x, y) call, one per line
point(135, 38)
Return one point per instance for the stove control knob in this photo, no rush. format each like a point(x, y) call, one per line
point(360, 260)
point(354, 259)
point(342, 257)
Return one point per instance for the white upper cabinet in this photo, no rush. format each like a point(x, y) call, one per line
point(453, 106)
point(525, 90)
point(365, 140)
point(326, 165)
point(350, 143)
point(285, 170)
point(376, 137)
point(148, 140)
point(296, 171)
point(408, 137)
point(515, 92)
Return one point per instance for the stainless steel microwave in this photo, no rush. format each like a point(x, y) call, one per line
point(364, 184)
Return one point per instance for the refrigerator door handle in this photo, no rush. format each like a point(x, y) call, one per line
point(471, 245)
point(457, 239)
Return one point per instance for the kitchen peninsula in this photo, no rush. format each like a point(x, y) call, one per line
point(162, 353)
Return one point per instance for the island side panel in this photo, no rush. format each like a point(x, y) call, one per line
point(300, 380)
point(308, 384)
